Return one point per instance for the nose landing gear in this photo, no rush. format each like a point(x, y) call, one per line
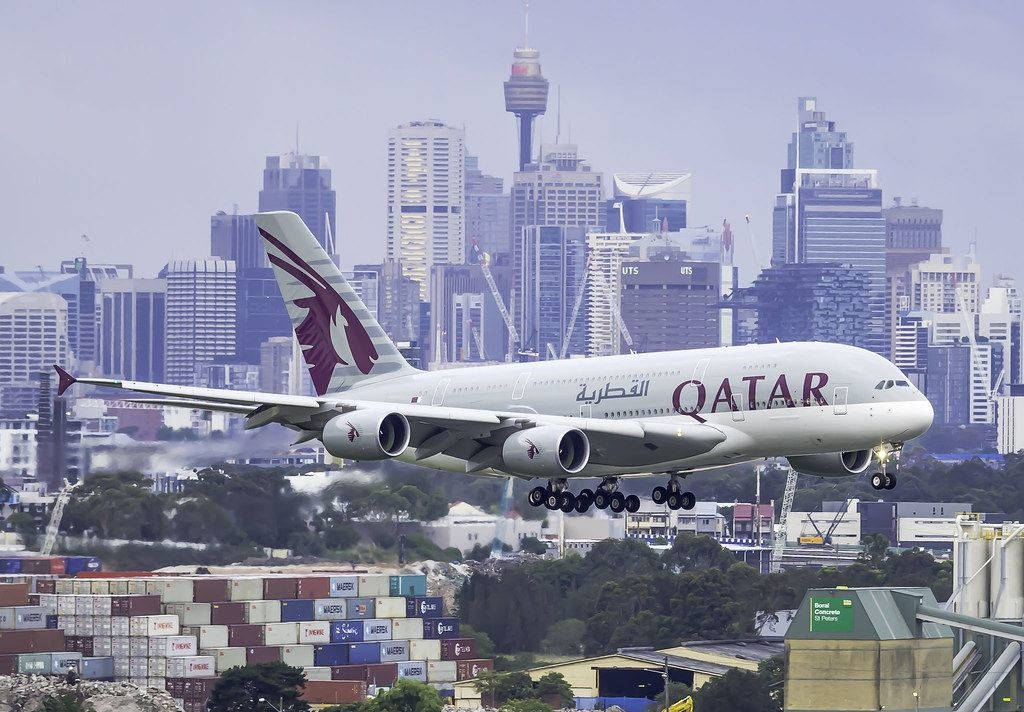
point(884, 480)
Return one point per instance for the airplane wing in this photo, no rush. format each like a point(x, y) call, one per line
point(470, 434)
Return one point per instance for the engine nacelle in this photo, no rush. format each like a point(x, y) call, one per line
point(546, 451)
point(832, 464)
point(366, 435)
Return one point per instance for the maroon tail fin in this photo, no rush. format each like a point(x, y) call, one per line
point(66, 380)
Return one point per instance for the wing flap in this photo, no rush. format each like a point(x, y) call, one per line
point(195, 404)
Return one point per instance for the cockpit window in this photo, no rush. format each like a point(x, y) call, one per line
point(889, 384)
point(902, 383)
point(880, 386)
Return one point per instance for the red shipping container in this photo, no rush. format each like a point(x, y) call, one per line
point(313, 587)
point(35, 566)
point(262, 654)
point(468, 669)
point(348, 672)
point(227, 613)
point(243, 636)
point(382, 675)
point(279, 588)
point(199, 688)
point(46, 585)
point(210, 590)
point(175, 687)
point(458, 649)
point(58, 565)
point(135, 606)
point(8, 664)
point(13, 594)
point(31, 641)
point(333, 692)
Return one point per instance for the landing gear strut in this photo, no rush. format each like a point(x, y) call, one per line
point(673, 496)
point(885, 480)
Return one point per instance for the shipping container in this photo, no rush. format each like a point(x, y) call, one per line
point(442, 671)
point(138, 647)
point(359, 608)
point(198, 665)
point(199, 688)
point(175, 590)
point(329, 609)
point(310, 587)
point(344, 586)
point(262, 654)
point(99, 587)
point(425, 650)
point(133, 605)
point(347, 631)
point(228, 658)
point(138, 667)
point(297, 610)
point(101, 605)
point(74, 565)
point(175, 687)
point(81, 587)
point(280, 588)
point(158, 666)
point(99, 668)
point(153, 625)
point(60, 662)
point(34, 663)
point(246, 589)
point(31, 641)
point(13, 594)
point(10, 566)
point(51, 621)
point(458, 649)
point(373, 585)
point(389, 607)
point(227, 613)
point(407, 585)
point(213, 636)
point(7, 618)
point(441, 628)
point(174, 646)
point(333, 654)
point(281, 634)
point(191, 613)
point(377, 629)
point(392, 651)
point(243, 636)
point(262, 611)
point(363, 653)
point(120, 667)
point(297, 655)
point(29, 618)
point(348, 672)
point(83, 604)
point(315, 632)
point(382, 675)
point(469, 669)
point(47, 585)
point(407, 628)
point(413, 669)
point(424, 607)
point(101, 646)
point(210, 590)
point(119, 625)
point(314, 673)
point(8, 664)
point(333, 692)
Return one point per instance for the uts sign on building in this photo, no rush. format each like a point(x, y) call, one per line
point(671, 304)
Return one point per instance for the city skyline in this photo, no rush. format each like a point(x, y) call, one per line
point(122, 167)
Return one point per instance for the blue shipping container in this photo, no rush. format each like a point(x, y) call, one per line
point(424, 607)
point(298, 609)
point(51, 622)
point(97, 669)
point(329, 655)
point(440, 628)
point(10, 566)
point(363, 653)
point(347, 632)
point(359, 608)
point(77, 564)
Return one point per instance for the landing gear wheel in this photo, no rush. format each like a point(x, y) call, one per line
point(537, 495)
point(890, 482)
point(674, 500)
point(659, 494)
point(878, 481)
point(632, 504)
point(688, 500)
point(567, 502)
point(583, 500)
point(617, 503)
point(602, 499)
point(552, 499)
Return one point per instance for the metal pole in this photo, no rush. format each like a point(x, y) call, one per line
point(665, 675)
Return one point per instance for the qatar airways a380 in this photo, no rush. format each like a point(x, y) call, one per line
point(832, 410)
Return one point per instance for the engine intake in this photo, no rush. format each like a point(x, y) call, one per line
point(832, 464)
point(366, 435)
point(546, 451)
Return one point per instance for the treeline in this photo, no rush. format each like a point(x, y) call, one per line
point(624, 594)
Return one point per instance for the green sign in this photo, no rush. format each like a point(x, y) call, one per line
point(832, 614)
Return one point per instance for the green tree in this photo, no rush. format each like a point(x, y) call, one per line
point(532, 545)
point(773, 676)
point(484, 644)
point(736, 691)
point(876, 548)
point(406, 696)
point(564, 637)
point(697, 551)
point(553, 688)
point(24, 524)
point(499, 688)
point(240, 688)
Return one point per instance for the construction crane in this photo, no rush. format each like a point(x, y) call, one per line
point(63, 497)
point(575, 309)
point(779, 542)
point(753, 244)
point(479, 341)
point(613, 305)
point(483, 259)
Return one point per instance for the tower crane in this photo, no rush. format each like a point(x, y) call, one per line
point(753, 244)
point(63, 497)
point(483, 259)
point(779, 540)
point(575, 309)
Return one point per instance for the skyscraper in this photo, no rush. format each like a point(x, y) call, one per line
point(395, 298)
point(553, 261)
point(201, 313)
point(671, 303)
point(487, 213)
point(828, 211)
point(649, 198)
point(426, 198)
point(34, 330)
point(912, 234)
point(302, 184)
point(526, 96)
point(457, 306)
point(260, 312)
point(132, 329)
point(234, 237)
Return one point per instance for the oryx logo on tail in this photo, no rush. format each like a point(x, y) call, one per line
point(331, 333)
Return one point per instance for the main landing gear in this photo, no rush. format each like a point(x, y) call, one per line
point(672, 495)
point(557, 496)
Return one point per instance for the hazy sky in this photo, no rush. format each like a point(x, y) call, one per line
point(132, 122)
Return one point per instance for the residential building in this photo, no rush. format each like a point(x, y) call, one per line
point(488, 209)
point(552, 260)
point(946, 284)
point(656, 523)
point(201, 311)
point(235, 237)
point(275, 364)
point(229, 376)
point(958, 385)
point(260, 312)
point(131, 344)
point(745, 523)
point(390, 295)
point(1010, 421)
point(466, 526)
point(33, 337)
point(649, 202)
point(59, 451)
point(426, 198)
point(302, 184)
point(17, 447)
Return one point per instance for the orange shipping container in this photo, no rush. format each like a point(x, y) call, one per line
point(13, 594)
point(334, 692)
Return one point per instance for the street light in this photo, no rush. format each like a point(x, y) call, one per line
point(280, 702)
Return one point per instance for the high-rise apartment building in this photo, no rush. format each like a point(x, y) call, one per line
point(132, 329)
point(33, 337)
point(235, 237)
point(200, 316)
point(275, 364)
point(426, 198)
point(945, 284)
point(649, 202)
point(828, 211)
point(391, 296)
point(553, 262)
point(260, 312)
point(487, 214)
point(302, 184)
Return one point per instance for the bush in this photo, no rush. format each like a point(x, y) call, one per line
point(564, 637)
point(553, 687)
point(532, 545)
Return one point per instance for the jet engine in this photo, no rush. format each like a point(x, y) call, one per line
point(366, 435)
point(546, 451)
point(832, 464)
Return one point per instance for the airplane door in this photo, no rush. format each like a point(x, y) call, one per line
point(701, 369)
point(519, 389)
point(439, 392)
point(586, 410)
point(737, 409)
point(839, 396)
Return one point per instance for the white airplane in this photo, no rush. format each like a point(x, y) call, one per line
point(832, 410)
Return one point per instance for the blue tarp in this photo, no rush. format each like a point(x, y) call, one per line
point(629, 704)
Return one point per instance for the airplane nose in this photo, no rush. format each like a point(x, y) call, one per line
point(923, 416)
